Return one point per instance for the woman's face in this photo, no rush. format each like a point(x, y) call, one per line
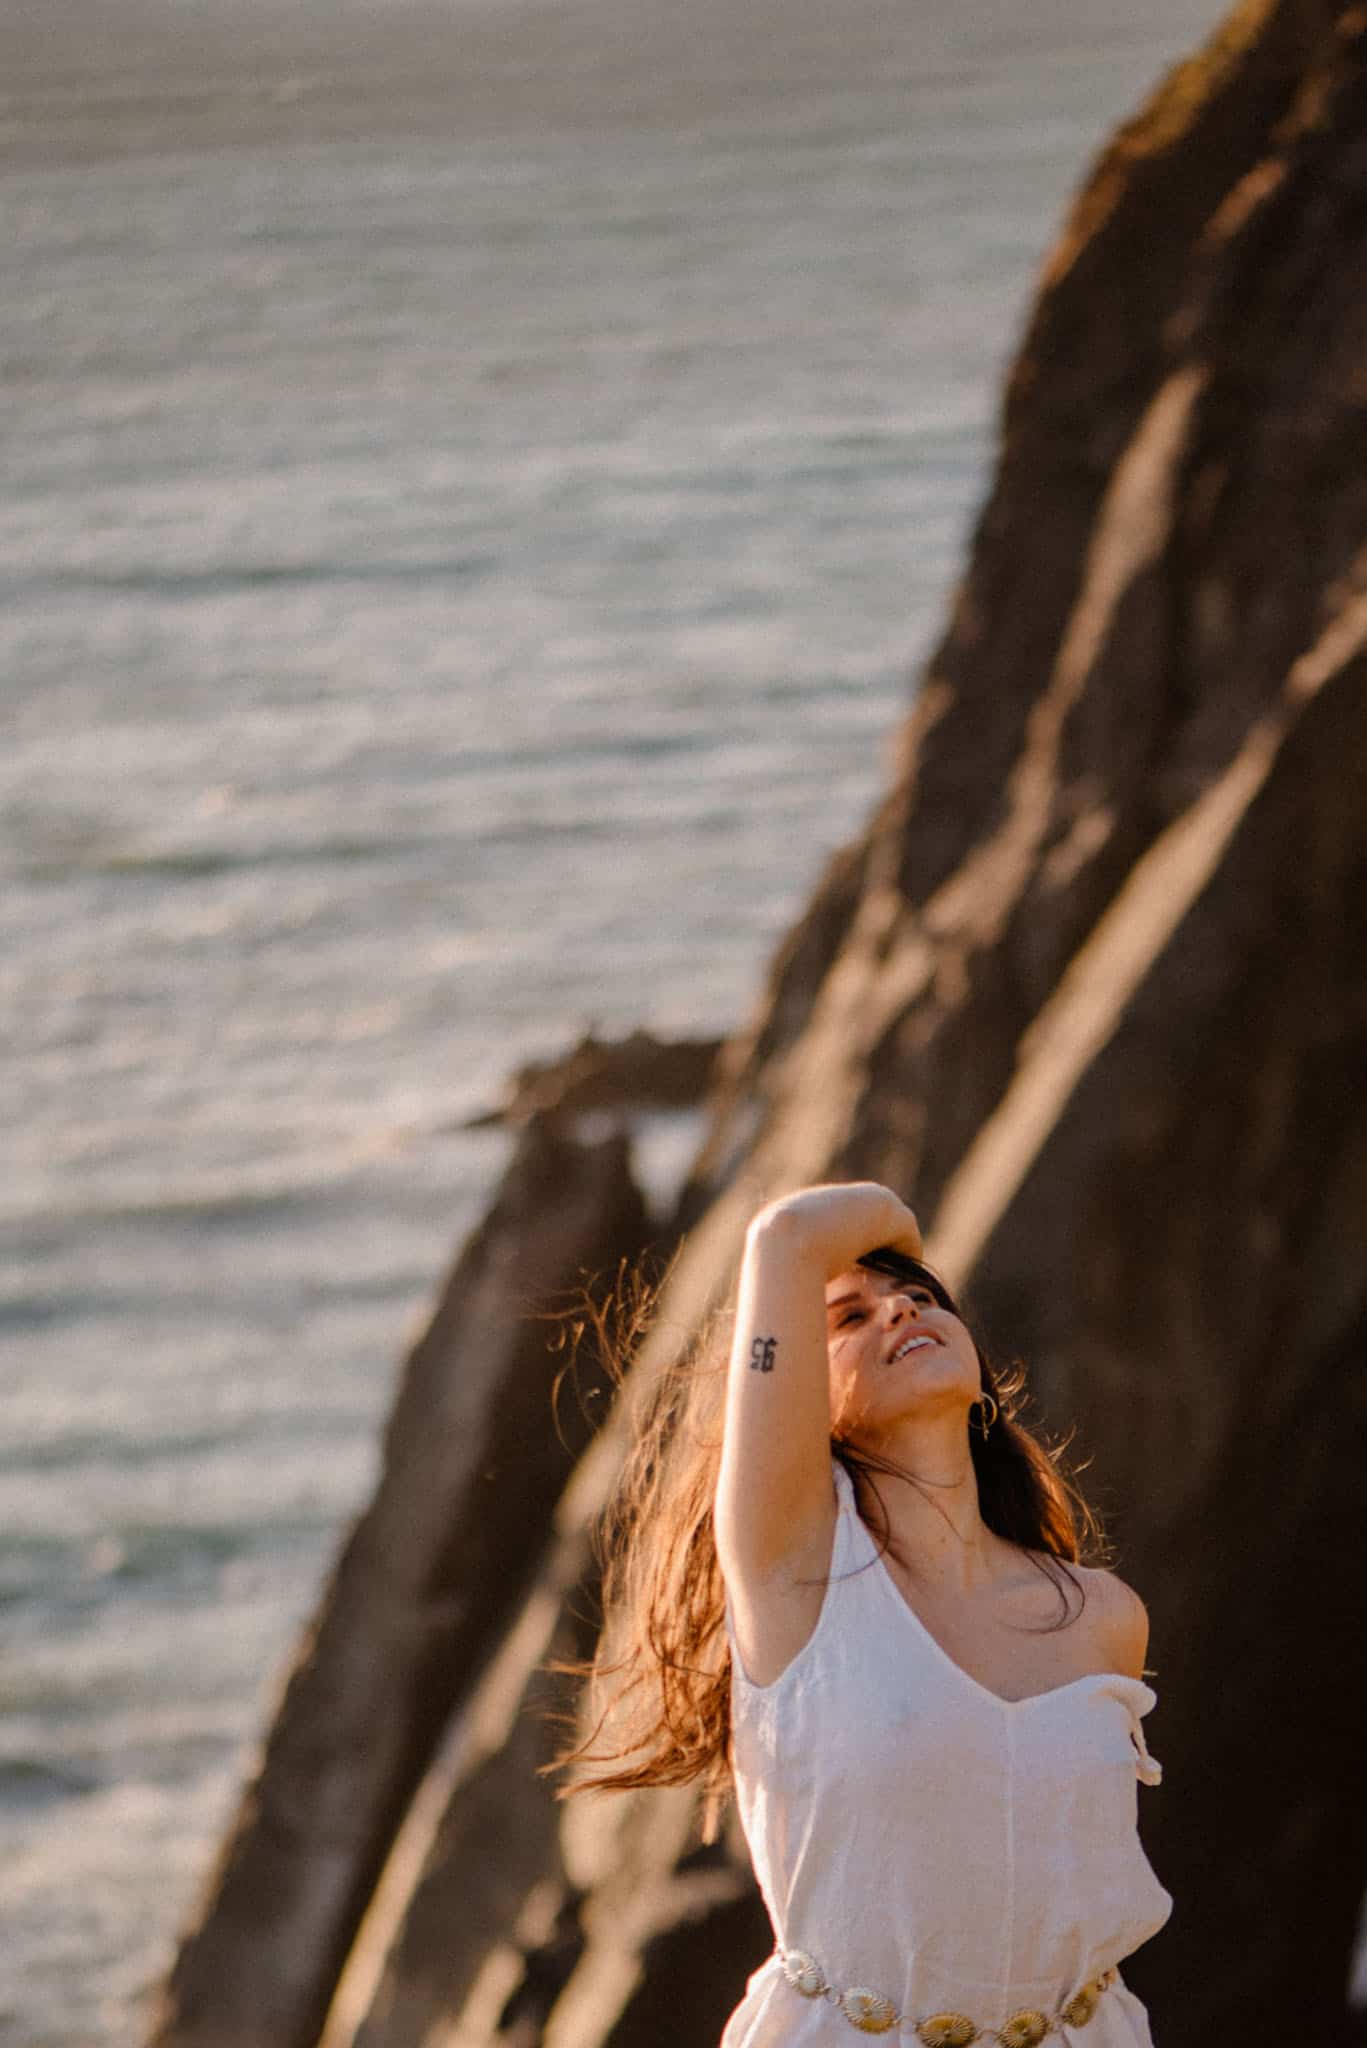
point(894, 1353)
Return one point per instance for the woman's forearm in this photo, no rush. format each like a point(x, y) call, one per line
point(775, 1468)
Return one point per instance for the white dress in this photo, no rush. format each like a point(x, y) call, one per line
point(916, 1836)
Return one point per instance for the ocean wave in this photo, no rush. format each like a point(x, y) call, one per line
point(232, 1204)
point(111, 1447)
point(191, 585)
point(27, 1782)
point(199, 863)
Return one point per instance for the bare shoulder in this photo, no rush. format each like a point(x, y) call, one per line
point(1121, 1619)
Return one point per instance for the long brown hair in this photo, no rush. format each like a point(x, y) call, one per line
point(660, 1681)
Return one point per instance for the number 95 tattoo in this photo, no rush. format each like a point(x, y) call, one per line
point(762, 1351)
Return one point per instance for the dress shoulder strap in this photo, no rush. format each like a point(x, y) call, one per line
point(844, 1568)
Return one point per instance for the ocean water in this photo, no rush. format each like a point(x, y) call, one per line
point(477, 483)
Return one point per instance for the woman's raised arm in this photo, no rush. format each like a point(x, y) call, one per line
point(775, 1508)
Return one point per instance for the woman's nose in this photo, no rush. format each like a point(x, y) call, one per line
point(900, 1305)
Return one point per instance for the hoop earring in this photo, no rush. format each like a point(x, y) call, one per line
point(986, 1395)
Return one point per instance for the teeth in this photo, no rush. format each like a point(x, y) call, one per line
point(912, 1344)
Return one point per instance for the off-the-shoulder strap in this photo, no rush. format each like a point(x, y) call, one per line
point(1149, 1769)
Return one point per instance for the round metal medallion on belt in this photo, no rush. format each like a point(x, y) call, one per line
point(1024, 2030)
point(948, 2030)
point(1084, 2003)
point(804, 1973)
point(868, 2010)
point(1079, 2010)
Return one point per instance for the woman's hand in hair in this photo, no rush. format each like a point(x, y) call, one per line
point(839, 1222)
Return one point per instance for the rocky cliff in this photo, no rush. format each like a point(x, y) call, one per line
point(1092, 989)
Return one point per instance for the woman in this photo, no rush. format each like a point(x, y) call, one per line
point(869, 1616)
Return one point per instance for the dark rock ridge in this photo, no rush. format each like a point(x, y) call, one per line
point(1092, 989)
point(476, 1454)
point(639, 1071)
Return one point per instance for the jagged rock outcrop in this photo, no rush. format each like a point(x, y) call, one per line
point(637, 1072)
point(1092, 989)
point(476, 1454)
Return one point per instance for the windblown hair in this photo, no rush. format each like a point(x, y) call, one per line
point(660, 1682)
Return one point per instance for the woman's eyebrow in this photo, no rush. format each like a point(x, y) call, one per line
point(842, 1301)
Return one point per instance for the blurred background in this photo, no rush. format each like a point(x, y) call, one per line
point(478, 481)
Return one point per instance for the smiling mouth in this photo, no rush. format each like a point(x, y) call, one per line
point(911, 1344)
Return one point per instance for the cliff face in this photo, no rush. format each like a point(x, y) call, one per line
point(1093, 990)
point(1119, 625)
point(433, 1574)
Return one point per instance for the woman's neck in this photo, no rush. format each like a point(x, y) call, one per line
point(935, 1524)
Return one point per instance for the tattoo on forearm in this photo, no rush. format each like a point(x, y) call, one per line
point(762, 1351)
